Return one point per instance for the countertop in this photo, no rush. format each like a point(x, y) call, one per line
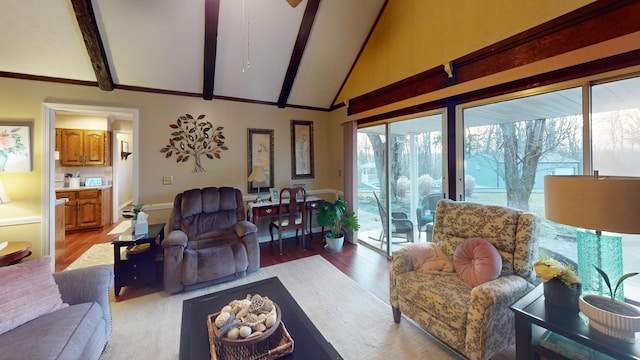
point(83, 188)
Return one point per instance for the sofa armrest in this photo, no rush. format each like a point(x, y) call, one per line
point(248, 233)
point(490, 321)
point(89, 284)
point(244, 228)
point(175, 238)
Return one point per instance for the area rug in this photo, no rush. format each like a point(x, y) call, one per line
point(358, 324)
point(97, 254)
point(122, 227)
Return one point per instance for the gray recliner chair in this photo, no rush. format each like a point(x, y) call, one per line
point(209, 240)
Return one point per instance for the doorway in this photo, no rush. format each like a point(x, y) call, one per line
point(48, 171)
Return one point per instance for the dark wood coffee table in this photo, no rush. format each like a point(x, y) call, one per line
point(308, 342)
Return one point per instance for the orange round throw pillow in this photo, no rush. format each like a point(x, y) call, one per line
point(477, 261)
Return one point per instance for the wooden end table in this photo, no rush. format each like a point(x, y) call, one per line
point(140, 268)
point(534, 317)
point(14, 252)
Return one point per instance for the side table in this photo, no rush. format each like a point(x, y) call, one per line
point(14, 252)
point(138, 268)
point(533, 317)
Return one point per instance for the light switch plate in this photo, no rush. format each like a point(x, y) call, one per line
point(167, 180)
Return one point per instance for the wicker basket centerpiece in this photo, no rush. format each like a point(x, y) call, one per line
point(248, 328)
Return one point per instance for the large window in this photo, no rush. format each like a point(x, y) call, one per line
point(509, 145)
point(615, 118)
point(410, 152)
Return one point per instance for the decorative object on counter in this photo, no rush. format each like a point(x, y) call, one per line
point(561, 283)
point(93, 181)
point(251, 326)
point(194, 137)
point(609, 315)
point(339, 219)
point(15, 146)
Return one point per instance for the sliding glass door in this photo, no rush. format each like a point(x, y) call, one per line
point(400, 163)
point(615, 120)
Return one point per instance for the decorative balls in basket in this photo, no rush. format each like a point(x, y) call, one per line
point(250, 327)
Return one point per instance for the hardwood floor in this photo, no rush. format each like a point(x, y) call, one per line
point(360, 263)
point(363, 265)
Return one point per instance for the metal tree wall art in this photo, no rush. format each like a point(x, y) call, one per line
point(194, 137)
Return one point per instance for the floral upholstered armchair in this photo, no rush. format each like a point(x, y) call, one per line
point(475, 320)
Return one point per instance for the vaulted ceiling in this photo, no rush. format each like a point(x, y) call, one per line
point(266, 51)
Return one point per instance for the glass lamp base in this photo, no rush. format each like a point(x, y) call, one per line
point(603, 250)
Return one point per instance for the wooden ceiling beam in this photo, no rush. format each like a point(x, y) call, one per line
point(93, 42)
point(298, 50)
point(211, 17)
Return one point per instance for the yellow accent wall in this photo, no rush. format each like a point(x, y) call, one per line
point(416, 35)
point(23, 99)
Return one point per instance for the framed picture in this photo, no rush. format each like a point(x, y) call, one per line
point(275, 194)
point(301, 149)
point(16, 146)
point(260, 154)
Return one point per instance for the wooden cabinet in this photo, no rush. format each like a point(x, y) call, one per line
point(83, 147)
point(86, 208)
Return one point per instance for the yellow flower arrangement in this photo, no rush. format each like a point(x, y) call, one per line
point(548, 268)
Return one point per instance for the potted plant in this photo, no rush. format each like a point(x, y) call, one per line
point(132, 213)
point(561, 283)
point(609, 315)
point(338, 219)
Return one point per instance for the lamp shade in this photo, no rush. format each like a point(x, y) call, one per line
point(257, 175)
point(603, 203)
point(3, 195)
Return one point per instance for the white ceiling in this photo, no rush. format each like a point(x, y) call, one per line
point(159, 45)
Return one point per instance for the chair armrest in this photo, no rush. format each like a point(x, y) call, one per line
point(490, 310)
point(175, 238)
point(89, 284)
point(504, 289)
point(244, 228)
point(404, 222)
point(402, 262)
point(399, 215)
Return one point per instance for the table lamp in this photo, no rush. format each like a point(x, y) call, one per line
point(257, 177)
point(601, 207)
point(3, 195)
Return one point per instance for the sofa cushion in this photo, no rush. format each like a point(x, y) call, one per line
point(477, 261)
point(62, 334)
point(27, 291)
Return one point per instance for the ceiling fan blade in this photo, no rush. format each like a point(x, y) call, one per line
point(294, 3)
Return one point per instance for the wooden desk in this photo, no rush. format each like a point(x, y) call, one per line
point(270, 208)
point(14, 252)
